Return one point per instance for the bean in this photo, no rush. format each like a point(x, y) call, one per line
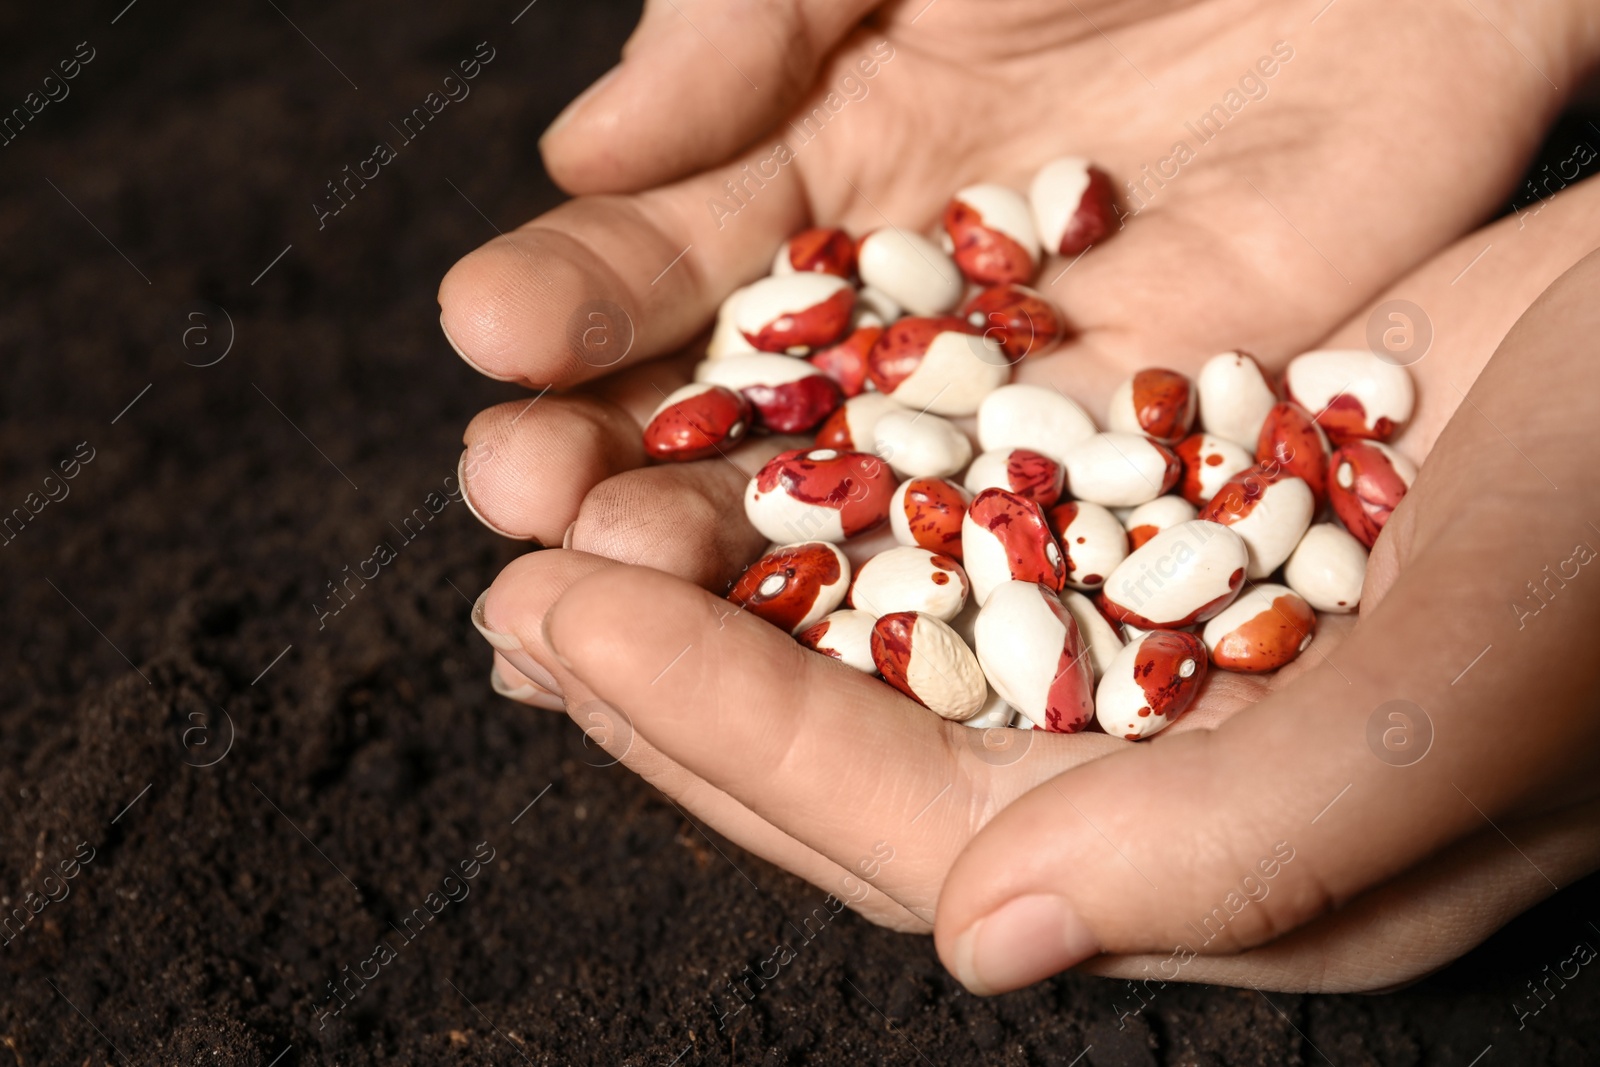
point(1184, 574)
point(1150, 683)
point(989, 231)
point(1035, 657)
point(925, 659)
point(1005, 536)
point(795, 585)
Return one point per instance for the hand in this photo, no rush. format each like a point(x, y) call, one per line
point(1302, 858)
point(1338, 170)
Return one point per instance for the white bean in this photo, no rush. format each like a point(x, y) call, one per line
point(1235, 397)
point(907, 578)
point(1032, 417)
point(920, 444)
point(1120, 469)
point(1328, 568)
point(910, 270)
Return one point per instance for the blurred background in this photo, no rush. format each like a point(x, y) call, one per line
point(228, 774)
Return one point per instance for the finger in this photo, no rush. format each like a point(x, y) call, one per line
point(699, 79)
point(512, 610)
point(1401, 931)
point(567, 470)
point(529, 464)
point(685, 519)
point(830, 755)
point(604, 282)
point(1444, 320)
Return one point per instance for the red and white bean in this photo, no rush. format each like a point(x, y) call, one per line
point(697, 421)
point(852, 426)
point(1147, 520)
point(794, 586)
point(1291, 440)
point(819, 494)
point(1156, 402)
point(1270, 510)
point(821, 250)
point(846, 635)
point(989, 231)
point(1184, 574)
point(1020, 320)
point(726, 340)
point(928, 512)
point(938, 364)
point(925, 659)
point(1092, 540)
point(1006, 537)
point(1030, 648)
point(1150, 683)
point(1366, 482)
point(1019, 470)
point(795, 313)
point(845, 361)
point(1264, 629)
point(791, 395)
point(1074, 205)
point(1209, 462)
point(1353, 394)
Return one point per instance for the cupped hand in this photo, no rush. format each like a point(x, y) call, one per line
point(1321, 158)
point(1299, 843)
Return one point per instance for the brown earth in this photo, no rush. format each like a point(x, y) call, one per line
point(146, 610)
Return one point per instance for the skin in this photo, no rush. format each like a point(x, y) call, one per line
point(1088, 847)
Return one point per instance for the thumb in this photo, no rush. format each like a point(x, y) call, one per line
point(699, 79)
point(1210, 842)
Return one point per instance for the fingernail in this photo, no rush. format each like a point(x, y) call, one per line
point(577, 104)
point(566, 538)
point(468, 360)
point(540, 677)
point(527, 693)
point(503, 642)
point(466, 495)
point(1024, 941)
point(550, 646)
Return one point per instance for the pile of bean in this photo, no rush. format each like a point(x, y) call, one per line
point(1069, 576)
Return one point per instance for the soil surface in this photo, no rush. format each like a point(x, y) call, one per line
point(232, 795)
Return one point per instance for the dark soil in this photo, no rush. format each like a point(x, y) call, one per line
point(165, 606)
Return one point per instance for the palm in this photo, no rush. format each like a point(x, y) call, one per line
point(1264, 240)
